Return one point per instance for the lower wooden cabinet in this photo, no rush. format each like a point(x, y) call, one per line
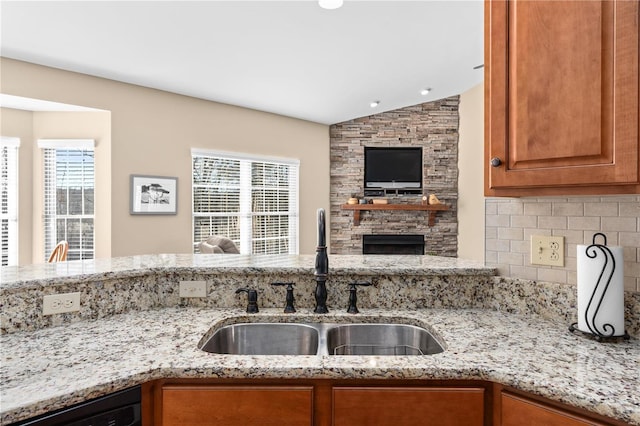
point(395, 406)
point(318, 402)
point(237, 405)
point(518, 410)
point(185, 402)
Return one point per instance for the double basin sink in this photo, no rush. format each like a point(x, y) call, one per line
point(321, 339)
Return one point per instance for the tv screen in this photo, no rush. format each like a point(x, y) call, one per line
point(393, 168)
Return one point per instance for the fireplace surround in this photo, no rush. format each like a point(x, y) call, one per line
point(432, 126)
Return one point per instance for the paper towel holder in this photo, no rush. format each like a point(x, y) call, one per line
point(600, 335)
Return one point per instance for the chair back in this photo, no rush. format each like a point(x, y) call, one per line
point(59, 253)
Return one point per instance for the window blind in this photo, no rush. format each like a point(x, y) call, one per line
point(69, 186)
point(251, 200)
point(9, 201)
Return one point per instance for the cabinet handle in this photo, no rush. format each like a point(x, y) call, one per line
point(496, 162)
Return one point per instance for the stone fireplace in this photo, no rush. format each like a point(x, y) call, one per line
point(431, 125)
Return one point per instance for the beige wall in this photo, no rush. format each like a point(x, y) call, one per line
point(152, 133)
point(19, 124)
point(471, 175)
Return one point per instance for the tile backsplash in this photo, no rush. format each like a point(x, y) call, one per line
point(510, 222)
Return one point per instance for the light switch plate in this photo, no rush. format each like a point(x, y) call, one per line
point(60, 303)
point(193, 289)
point(547, 250)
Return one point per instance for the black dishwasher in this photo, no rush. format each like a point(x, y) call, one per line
point(117, 409)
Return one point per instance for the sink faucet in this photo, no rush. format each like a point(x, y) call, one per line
point(322, 267)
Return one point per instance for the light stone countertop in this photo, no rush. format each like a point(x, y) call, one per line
point(40, 275)
point(53, 367)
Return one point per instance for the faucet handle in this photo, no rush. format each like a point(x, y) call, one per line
point(252, 299)
point(353, 298)
point(289, 308)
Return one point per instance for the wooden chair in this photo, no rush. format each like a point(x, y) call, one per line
point(59, 253)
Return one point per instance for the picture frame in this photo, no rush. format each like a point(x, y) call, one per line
point(154, 195)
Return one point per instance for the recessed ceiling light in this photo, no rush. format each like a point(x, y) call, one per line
point(374, 104)
point(425, 92)
point(330, 4)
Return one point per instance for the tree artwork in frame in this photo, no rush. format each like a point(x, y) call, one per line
point(154, 195)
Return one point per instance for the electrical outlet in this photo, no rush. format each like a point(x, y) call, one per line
point(60, 303)
point(547, 250)
point(193, 289)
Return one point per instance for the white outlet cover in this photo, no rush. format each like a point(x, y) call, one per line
point(60, 303)
point(193, 289)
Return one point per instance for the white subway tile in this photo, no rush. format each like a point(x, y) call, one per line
point(568, 209)
point(510, 234)
point(630, 209)
point(524, 221)
point(508, 258)
point(552, 222)
point(537, 209)
point(552, 275)
point(601, 209)
point(584, 223)
point(625, 224)
point(510, 208)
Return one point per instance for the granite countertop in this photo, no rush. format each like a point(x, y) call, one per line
point(38, 275)
point(54, 367)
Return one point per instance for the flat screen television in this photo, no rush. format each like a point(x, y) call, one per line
point(393, 168)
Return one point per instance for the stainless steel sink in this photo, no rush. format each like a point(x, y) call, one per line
point(264, 339)
point(321, 339)
point(381, 339)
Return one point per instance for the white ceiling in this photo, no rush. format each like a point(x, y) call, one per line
point(286, 57)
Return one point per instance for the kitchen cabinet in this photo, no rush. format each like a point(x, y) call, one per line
point(392, 406)
point(196, 402)
point(237, 405)
point(352, 402)
point(520, 411)
point(561, 98)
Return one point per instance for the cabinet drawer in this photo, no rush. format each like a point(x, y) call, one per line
point(379, 406)
point(237, 405)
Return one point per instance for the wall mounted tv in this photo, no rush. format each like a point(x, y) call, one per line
point(393, 168)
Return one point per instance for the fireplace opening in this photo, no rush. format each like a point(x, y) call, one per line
point(393, 244)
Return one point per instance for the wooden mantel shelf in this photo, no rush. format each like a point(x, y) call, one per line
point(431, 208)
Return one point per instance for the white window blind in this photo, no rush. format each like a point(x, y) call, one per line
point(69, 186)
point(251, 200)
point(9, 201)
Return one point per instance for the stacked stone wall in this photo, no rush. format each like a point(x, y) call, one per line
point(433, 126)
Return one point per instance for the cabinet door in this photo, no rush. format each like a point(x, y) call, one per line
point(382, 406)
point(561, 95)
point(517, 411)
point(237, 405)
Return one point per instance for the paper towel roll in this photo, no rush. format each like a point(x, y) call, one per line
point(601, 289)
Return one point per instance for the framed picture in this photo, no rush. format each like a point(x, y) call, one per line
point(154, 195)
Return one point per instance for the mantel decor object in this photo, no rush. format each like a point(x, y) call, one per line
point(154, 195)
point(433, 200)
point(600, 290)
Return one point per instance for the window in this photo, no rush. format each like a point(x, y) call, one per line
point(9, 199)
point(68, 196)
point(251, 200)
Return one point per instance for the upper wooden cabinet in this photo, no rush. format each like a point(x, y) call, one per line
point(561, 97)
